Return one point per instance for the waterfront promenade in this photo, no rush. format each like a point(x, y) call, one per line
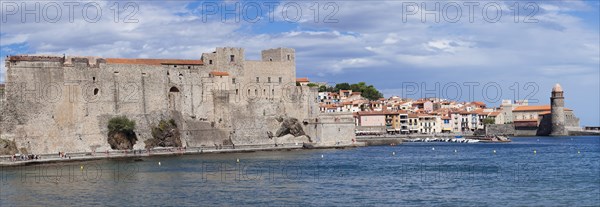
point(7, 160)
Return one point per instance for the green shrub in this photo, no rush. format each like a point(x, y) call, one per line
point(121, 134)
point(121, 124)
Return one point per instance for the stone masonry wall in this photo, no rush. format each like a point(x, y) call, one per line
point(54, 104)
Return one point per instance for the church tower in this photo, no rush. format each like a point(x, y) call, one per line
point(558, 113)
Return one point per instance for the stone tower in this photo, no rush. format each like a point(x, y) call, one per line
point(558, 113)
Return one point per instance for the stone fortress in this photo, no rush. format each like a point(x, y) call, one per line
point(64, 104)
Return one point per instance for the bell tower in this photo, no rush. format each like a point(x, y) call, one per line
point(558, 113)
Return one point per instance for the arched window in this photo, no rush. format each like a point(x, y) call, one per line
point(174, 89)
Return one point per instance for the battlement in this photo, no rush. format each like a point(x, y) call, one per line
point(64, 60)
point(279, 55)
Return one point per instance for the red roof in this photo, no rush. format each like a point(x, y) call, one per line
point(533, 108)
point(153, 61)
point(544, 113)
point(536, 108)
point(495, 113)
point(302, 80)
point(219, 73)
point(478, 103)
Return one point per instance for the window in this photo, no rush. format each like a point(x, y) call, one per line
point(280, 79)
point(288, 56)
point(210, 62)
point(272, 91)
point(233, 80)
point(256, 92)
point(236, 91)
point(269, 79)
point(231, 58)
point(257, 79)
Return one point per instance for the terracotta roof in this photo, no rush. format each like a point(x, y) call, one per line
point(219, 73)
point(495, 113)
point(153, 61)
point(367, 113)
point(302, 80)
point(479, 103)
point(533, 108)
point(465, 112)
point(413, 116)
point(545, 113)
point(445, 117)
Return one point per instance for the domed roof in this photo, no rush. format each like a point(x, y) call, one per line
point(557, 88)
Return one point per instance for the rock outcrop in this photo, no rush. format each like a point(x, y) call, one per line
point(166, 134)
point(8, 147)
point(289, 126)
point(120, 141)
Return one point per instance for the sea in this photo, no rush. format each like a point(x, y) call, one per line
point(529, 171)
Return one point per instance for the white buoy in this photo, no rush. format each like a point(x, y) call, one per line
point(455, 151)
point(158, 163)
point(238, 160)
point(433, 148)
point(494, 151)
point(578, 152)
point(321, 156)
point(534, 151)
point(393, 153)
point(538, 140)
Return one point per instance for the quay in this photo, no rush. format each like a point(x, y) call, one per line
point(167, 151)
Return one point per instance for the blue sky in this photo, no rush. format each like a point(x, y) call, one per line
point(380, 42)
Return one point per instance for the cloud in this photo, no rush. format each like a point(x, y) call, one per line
point(373, 42)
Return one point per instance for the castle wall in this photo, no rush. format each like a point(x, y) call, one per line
point(57, 104)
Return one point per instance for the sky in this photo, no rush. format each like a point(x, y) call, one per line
point(464, 50)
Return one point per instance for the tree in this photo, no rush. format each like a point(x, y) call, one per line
point(121, 134)
point(367, 91)
point(312, 85)
point(342, 86)
point(488, 121)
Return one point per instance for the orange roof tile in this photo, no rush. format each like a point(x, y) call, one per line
point(302, 80)
point(495, 113)
point(478, 103)
point(545, 113)
point(153, 61)
point(533, 108)
point(219, 73)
